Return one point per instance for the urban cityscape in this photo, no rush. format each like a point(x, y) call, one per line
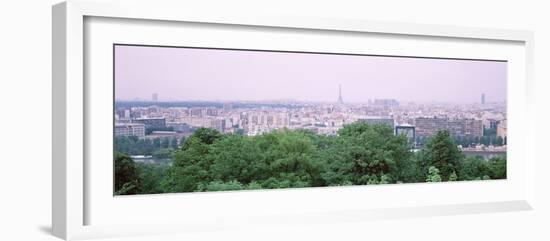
point(427, 131)
point(417, 121)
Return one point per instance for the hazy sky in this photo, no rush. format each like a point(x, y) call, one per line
point(203, 74)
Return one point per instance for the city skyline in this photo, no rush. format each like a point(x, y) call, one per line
point(189, 74)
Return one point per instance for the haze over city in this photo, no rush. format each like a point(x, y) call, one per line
point(222, 75)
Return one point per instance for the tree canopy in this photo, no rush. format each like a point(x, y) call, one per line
point(360, 154)
point(126, 175)
point(442, 153)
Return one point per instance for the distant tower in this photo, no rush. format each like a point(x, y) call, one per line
point(482, 98)
point(155, 97)
point(340, 100)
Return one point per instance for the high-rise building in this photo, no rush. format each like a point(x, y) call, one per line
point(155, 97)
point(340, 99)
point(482, 98)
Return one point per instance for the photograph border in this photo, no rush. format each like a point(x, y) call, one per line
point(303, 52)
point(69, 107)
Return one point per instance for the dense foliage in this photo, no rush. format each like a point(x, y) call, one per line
point(361, 154)
point(126, 175)
point(137, 178)
point(158, 147)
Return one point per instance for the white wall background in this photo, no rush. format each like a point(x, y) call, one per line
point(25, 120)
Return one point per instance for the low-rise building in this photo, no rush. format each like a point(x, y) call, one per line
point(151, 122)
point(426, 127)
point(130, 129)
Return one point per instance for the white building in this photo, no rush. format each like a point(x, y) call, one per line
point(130, 129)
point(502, 128)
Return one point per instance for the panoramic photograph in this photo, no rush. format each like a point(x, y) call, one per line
point(190, 119)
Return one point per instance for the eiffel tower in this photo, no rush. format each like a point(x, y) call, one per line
point(340, 100)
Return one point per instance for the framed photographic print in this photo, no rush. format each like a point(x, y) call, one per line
point(176, 121)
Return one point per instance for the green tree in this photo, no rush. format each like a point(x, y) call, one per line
point(254, 185)
point(132, 145)
point(473, 168)
point(497, 167)
point(442, 153)
point(174, 143)
point(126, 175)
point(191, 164)
point(222, 186)
point(433, 175)
point(360, 154)
point(164, 153)
point(453, 177)
point(385, 179)
point(363, 153)
point(182, 140)
point(151, 176)
point(206, 135)
point(289, 159)
point(410, 170)
point(238, 158)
